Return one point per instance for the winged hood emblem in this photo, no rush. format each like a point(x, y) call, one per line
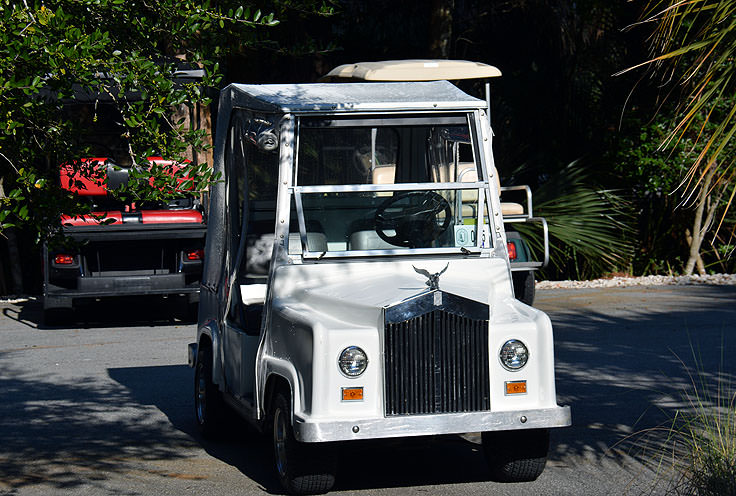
point(433, 280)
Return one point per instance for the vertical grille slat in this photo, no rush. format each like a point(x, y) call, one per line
point(436, 363)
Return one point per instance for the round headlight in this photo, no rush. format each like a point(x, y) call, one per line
point(513, 354)
point(353, 361)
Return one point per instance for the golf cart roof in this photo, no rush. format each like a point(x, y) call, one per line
point(329, 97)
point(412, 70)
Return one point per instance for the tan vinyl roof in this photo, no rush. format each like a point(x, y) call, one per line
point(412, 70)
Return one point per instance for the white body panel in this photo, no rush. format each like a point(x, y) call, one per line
point(328, 307)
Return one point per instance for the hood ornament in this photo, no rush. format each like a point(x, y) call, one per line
point(433, 280)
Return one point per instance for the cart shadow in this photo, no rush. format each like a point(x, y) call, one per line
point(628, 376)
point(241, 447)
point(124, 311)
point(386, 463)
point(62, 435)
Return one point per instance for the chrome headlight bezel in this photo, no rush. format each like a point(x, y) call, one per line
point(352, 362)
point(513, 355)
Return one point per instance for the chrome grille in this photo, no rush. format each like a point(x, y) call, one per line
point(436, 363)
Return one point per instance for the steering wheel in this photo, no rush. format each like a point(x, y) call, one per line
point(414, 217)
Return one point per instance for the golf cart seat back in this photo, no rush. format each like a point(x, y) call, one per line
point(469, 174)
point(385, 174)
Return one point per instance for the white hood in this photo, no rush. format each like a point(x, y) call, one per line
point(354, 293)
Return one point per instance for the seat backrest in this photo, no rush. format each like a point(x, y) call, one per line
point(469, 174)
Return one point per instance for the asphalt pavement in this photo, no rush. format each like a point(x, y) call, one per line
point(104, 405)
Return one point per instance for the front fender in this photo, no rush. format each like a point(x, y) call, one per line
point(275, 368)
point(211, 331)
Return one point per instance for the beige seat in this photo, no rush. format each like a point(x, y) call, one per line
point(509, 209)
point(467, 173)
point(384, 174)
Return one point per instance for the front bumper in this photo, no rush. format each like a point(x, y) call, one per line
point(313, 431)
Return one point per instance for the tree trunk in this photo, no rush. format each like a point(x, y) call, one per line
point(705, 208)
point(699, 262)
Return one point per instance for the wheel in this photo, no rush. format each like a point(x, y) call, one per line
point(209, 406)
point(302, 468)
point(516, 456)
point(524, 286)
point(414, 218)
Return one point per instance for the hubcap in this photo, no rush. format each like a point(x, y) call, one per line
point(279, 441)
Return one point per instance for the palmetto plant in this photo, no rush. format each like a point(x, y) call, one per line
point(692, 49)
point(590, 229)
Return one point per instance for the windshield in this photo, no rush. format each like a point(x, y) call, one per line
point(389, 185)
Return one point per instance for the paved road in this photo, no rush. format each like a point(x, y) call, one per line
point(105, 406)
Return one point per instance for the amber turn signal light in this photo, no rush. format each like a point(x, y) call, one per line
point(515, 387)
point(352, 394)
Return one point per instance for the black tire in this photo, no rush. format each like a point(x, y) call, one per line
point(516, 456)
point(209, 407)
point(524, 289)
point(302, 468)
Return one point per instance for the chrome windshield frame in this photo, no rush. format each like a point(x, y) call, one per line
point(361, 188)
point(483, 202)
point(479, 187)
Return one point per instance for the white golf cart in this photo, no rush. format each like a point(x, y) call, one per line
point(357, 283)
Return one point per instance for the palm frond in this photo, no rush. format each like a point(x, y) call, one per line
point(583, 221)
point(694, 46)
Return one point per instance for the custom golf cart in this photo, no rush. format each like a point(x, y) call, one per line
point(121, 249)
point(357, 283)
point(522, 264)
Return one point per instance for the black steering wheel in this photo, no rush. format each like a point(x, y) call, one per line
point(414, 217)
